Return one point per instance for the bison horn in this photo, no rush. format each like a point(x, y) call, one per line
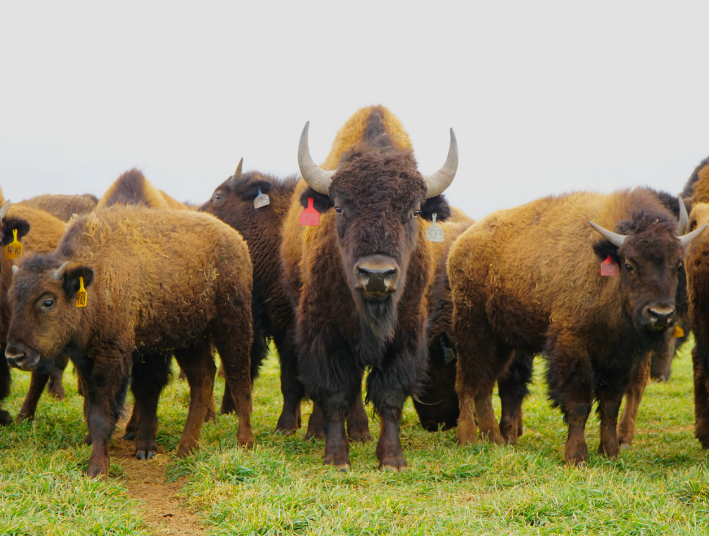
point(59, 272)
point(4, 209)
point(15, 269)
point(683, 217)
point(237, 174)
point(614, 238)
point(316, 177)
point(689, 238)
point(437, 183)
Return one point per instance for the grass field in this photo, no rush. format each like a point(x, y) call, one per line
point(658, 486)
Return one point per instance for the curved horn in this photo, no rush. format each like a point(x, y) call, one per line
point(683, 217)
point(437, 183)
point(614, 238)
point(59, 272)
point(237, 174)
point(15, 269)
point(689, 238)
point(316, 177)
point(4, 209)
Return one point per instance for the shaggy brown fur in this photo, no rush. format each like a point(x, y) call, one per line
point(527, 280)
point(340, 331)
point(158, 281)
point(39, 232)
point(697, 265)
point(62, 206)
point(273, 315)
point(132, 188)
point(697, 188)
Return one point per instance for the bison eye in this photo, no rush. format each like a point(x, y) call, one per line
point(217, 197)
point(628, 267)
point(338, 210)
point(417, 213)
point(48, 304)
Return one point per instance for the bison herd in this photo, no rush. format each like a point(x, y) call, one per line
point(358, 266)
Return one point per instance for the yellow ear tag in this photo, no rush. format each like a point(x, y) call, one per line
point(14, 248)
point(679, 332)
point(81, 295)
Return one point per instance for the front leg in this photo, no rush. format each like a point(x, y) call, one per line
point(633, 395)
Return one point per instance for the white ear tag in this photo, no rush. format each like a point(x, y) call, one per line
point(261, 200)
point(433, 232)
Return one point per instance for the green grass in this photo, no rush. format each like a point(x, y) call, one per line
point(659, 486)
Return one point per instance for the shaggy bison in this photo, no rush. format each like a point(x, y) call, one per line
point(273, 315)
point(131, 278)
point(132, 188)
point(38, 232)
point(360, 277)
point(61, 206)
point(527, 280)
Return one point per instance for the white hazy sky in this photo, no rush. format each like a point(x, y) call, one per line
point(545, 97)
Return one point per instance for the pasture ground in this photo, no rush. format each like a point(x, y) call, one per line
point(658, 486)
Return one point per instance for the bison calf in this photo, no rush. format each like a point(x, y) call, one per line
point(156, 281)
point(528, 280)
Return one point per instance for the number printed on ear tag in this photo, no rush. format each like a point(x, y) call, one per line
point(14, 248)
point(81, 296)
point(433, 232)
point(310, 215)
point(261, 200)
point(609, 268)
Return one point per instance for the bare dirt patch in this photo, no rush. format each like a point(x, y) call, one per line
point(145, 482)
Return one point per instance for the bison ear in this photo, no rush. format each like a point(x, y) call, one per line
point(71, 279)
point(321, 202)
point(250, 191)
point(436, 205)
point(604, 248)
point(9, 224)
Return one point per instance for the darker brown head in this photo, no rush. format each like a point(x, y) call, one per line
point(44, 313)
point(648, 253)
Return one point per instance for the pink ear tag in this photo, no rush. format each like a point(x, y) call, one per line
point(261, 200)
point(310, 216)
point(608, 267)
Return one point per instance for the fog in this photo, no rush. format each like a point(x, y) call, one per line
point(544, 97)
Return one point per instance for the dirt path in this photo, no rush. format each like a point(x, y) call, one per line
point(145, 482)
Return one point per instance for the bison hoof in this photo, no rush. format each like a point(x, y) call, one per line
point(6, 418)
point(392, 469)
point(130, 436)
point(56, 392)
point(361, 437)
point(97, 468)
point(184, 450)
point(146, 454)
point(393, 465)
point(341, 463)
point(343, 467)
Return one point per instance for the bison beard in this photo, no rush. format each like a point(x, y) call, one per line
point(379, 316)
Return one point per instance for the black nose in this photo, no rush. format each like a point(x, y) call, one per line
point(660, 317)
point(376, 280)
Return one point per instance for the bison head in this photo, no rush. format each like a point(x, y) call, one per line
point(236, 195)
point(378, 196)
point(44, 313)
point(649, 255)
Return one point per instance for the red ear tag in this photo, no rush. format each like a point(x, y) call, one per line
point(608, 267)
point(310, 216)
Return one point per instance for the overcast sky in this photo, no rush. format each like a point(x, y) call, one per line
point(544, 97)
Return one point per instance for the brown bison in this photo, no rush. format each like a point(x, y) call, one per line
point(361, 276)
point(273, 315)
point(527, 280)
point(155, 281)
point(38, 232)
point(62, 206)
point(132, 188)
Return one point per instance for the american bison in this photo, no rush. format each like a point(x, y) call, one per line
point(273, 315)
point(132, 188)
point(155, 281)
point(62, 206)
point(38, 232)
point(361, 276)
point(527, 280)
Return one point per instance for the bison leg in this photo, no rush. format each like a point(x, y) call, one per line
point(199, 367)
point(150, 374)
point(102, 404)
point(5, 417)
point(232, 337)
point(56, 387)
point(570, 383)
point(37, 383)
point(701, 394)
point(316, 423)
point(633, 395)
point(388, 399)
point(513, 388)
point(357, 420)
point(608, 405)
point(291, 387)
